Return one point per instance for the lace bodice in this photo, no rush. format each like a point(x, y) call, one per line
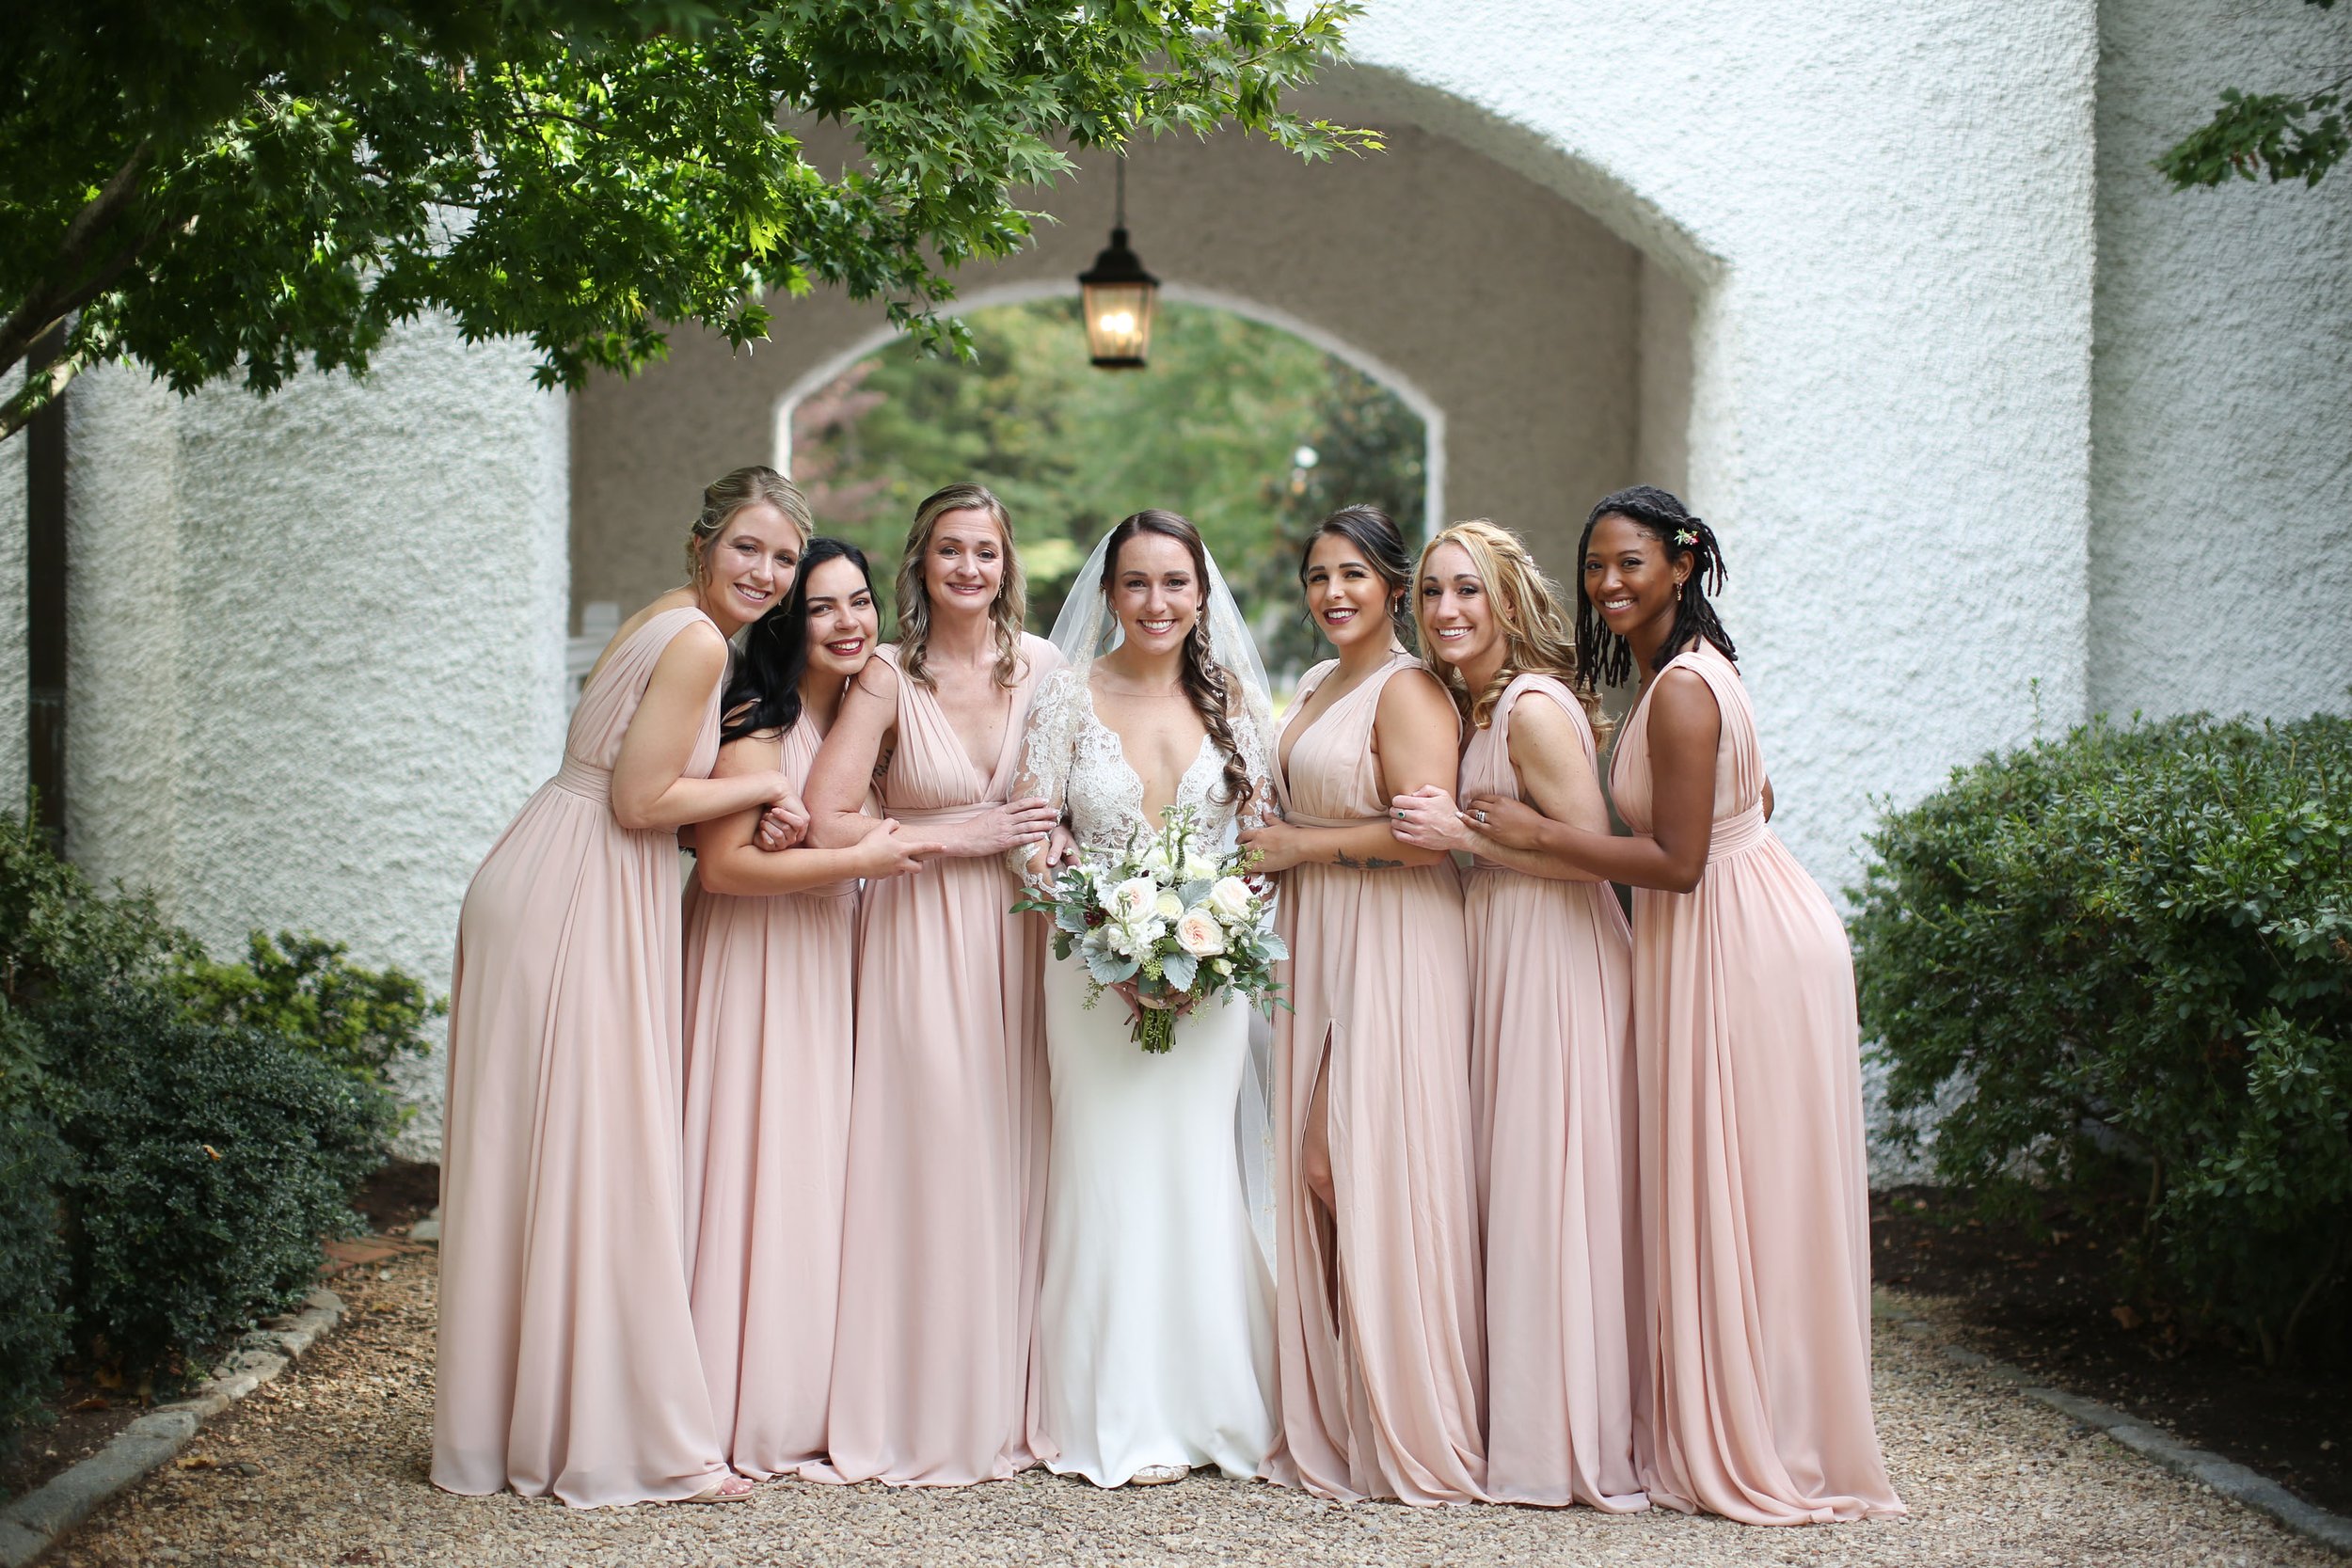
point(1071, 757)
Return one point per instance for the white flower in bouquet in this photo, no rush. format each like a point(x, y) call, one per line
point(1230, 900)
point(1132, 899)
point(1198, 933)
point(1199, 867)
point(1168, 905)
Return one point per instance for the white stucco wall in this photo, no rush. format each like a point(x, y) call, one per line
point(14, 698)
point(2221, 463)
point(317, 644)
point(1886, 218)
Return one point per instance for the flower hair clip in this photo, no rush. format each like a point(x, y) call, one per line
point(1686, 536)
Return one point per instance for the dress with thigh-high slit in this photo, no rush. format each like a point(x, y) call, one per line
point(1754, 1206)
point(1380, 1350)
point(1551, 1068)
point(566, 1361)
point(769, 1021)
point(945, 1212)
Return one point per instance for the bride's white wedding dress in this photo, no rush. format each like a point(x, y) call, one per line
point(1155, 1326)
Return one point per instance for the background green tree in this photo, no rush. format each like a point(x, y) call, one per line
point(1214, 429)
point(2279, 135)
point(233, 187)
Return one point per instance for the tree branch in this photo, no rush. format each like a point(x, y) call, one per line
point(45, 305)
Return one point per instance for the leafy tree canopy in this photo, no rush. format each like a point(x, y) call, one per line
point(2277, 135)
point(235, 186)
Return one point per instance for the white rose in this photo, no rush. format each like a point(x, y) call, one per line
point(1168, 905)
point(1160, 861)
point(1199, 868)
point(1198, 934)
point(1132, 898)
point(1223, 966)
point(1231, 899)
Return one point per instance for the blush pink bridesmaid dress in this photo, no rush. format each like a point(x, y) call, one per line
point(1553, 1081)
point(1381, 1360)
point(944, 1220)
point(566, 1360)
point(1756, 1214)
point(770, 1021)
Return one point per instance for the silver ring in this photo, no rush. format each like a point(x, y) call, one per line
point(1482, 818)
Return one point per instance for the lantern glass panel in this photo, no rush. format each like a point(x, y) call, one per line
point(1118, 323)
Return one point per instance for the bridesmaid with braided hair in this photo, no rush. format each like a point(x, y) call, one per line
point(1754, 1213)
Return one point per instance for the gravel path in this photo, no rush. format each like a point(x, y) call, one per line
point(327, 1466)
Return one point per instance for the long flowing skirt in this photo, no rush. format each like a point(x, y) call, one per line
point(946, 1189)
point(1382, 1357)
point(770, 1015)
point(566, 1361)
point(1551, 1059)
point(1156, 1328)
point(1755, 1200)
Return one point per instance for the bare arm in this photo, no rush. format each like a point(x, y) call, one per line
point(649, 790)
point(731, 862)
point(1685, 727)
point(1414, 738)
point(843, 769)
point(1555, 769)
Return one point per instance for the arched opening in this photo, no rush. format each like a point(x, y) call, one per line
point(1247, 427)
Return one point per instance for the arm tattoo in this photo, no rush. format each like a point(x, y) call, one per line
point(1371, 863)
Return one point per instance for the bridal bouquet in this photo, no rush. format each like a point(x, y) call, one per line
point(1182, 925)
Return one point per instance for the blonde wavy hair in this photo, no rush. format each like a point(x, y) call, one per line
point(1526, 605)
point(1008, 612)
point(730, 494)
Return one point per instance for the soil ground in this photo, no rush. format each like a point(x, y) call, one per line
point(2051, 1306)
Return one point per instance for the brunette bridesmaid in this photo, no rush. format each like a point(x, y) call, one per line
point(947, 1117)
point(566, 1362)
point(771, 965)
point(1380, 1352)
point(1756, 1220)
point(1551, 1047)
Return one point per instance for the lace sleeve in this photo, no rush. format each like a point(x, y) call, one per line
point(1253, 728)
point(1048, 741)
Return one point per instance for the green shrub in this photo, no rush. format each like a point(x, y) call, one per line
point(2126, 958)
point(34, 1167)
point(211, 1160)
point(55, 926)
point(359, 1019)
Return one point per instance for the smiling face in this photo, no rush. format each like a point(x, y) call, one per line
point(1345, 594)
point(1632, 579)
point(842, 622)
point(1458, 623)
point(748, 565)
point(1155, 593)
point(964, 563)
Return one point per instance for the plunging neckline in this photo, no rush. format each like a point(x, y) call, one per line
point(1119, 745)
point(985, 778)
point(1286, 745)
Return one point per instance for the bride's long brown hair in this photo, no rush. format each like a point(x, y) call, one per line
point(1204, 680)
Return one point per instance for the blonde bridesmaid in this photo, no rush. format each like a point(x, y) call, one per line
point(947, 1115)
point(1552, 1046)
point(1756, 1220)
point(770, 966)
point(567, 1363)
point(1380, 1355)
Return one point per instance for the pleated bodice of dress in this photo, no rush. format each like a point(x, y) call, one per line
point(609, 701)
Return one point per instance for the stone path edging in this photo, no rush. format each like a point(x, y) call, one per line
point(2225, 1476)
point(32, 1523)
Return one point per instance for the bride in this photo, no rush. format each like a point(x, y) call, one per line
point(1155, 1331)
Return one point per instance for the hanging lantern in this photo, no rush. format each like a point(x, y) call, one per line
point(1117, 297)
